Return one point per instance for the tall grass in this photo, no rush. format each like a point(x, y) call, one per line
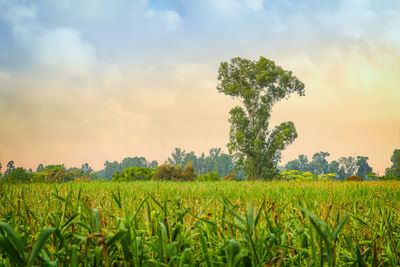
point(200, 224)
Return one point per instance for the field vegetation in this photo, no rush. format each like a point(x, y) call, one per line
point(201, 224)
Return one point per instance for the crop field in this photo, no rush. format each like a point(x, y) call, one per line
point(200, 224)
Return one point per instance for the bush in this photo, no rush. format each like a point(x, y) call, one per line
point(230, 177)
point(354, 178)
point(295, 175)
point(133, 174)
point(168, 172)
point(18, 175)
point(188, 173)
point(211, 176)
point(389, 177)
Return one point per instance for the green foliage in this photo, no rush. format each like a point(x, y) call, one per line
point(167, 172)
point(319, 164)
point(110, 168)
point(216, 161)
point(40, 168)
point(295, 175)
point(18, 175)
point(208, 177)
point(388, 177)
point(343, 167)
point(200, 224)
point(300, 164)
point(133, 174)
point(394, 170)
point(363, 167)
point(10, 167)
point(258, 85)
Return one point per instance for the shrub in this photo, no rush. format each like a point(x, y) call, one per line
point(295, 175)
point(230, 177)
point(133, 174)
point(188, 173)
point(388, 177)
point(354, 178)
point(18, 175)
point(211, 176)
point(167, 172)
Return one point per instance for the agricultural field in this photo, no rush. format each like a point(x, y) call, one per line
point(200, 224)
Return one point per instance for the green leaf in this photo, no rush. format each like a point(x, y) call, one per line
point(6, 246)
point(204, 247)
point(74, 256)
point(14, 239)
point(121, 233)
point(96, 220)
point(340, 226)
point(40, 242)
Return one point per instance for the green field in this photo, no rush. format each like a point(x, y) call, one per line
point(201, 224)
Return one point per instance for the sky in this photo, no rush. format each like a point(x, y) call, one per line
point(90, 81)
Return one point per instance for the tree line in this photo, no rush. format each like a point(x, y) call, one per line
point(215, 164)
point(187, 166)
point(343, 167)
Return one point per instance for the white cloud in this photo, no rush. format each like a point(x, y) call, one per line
point(358, 19)
point(63, 50)
point(169, 19)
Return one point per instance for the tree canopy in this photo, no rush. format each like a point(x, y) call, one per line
point(258, 85)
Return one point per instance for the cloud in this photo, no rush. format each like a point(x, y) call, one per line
point(169, 19)
point(363, 19)
point(63, 51)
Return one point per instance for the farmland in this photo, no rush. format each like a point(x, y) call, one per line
point(207, 224)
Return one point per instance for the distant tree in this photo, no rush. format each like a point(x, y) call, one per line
point(153, 164)
point(57, 174)
point(86, 168)
point(201, 163)
point(299, 164)
point(18, 175)
point(130, 162)
point(258, 85)
point(177, 157)
point(110, 168)
point(77, 174)
point(333, 167)
point(394, 170)
point(319, 164)
point(0, 170)
point(363, 166)
point(10, 167)
point(192, 158)
point(348, 166)
point(40, 168)
point(216, 161)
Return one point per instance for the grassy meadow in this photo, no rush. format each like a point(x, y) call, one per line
point(200, 224)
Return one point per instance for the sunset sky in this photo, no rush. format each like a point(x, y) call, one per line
point(90, 81)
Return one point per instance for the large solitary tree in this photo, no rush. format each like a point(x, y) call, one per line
point(258, 85)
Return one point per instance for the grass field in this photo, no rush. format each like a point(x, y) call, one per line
point(201, 224)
